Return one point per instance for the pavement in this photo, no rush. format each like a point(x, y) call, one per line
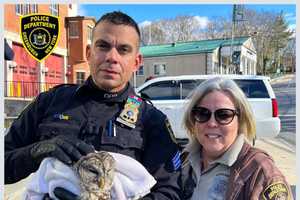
point(283, 78)
point(284, 155)
point(283, 151)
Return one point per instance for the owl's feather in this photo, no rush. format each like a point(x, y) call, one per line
point(96, 173)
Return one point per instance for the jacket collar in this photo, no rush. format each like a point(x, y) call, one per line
point(89, 88)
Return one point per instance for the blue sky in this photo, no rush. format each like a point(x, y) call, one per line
point(144, 13)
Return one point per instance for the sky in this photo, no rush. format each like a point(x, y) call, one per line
point(147, 13)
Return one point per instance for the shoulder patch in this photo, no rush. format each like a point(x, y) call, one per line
point(170, 130)
point(276, 191)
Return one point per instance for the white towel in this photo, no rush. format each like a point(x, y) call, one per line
point(132, 181)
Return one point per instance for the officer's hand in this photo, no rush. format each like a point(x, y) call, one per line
point(64, 194)
point(65, 149)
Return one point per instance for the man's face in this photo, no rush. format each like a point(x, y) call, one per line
point(113, 55)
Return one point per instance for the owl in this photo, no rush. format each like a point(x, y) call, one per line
point(96, 174)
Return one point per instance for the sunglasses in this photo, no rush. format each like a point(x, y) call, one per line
point(223, 116)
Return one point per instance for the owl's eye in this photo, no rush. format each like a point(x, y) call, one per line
point(93, 171)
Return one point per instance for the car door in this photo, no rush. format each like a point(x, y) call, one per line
point(165, 96)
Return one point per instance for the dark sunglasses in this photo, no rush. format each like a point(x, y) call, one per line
point(223, 116)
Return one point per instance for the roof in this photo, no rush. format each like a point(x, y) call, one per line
point(193, 47)
point(196, 77)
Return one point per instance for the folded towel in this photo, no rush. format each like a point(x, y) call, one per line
point(132, 181)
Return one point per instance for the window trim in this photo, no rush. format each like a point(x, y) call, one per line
point(89, 33)
point(81, 72)
point(160, 63)
point(70, 35)
point(53, 10)
point(140, 68)
point(25, 9)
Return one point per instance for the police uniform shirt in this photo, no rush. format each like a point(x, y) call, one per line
point(212, 182)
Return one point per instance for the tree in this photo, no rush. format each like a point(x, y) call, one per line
point(279, 39)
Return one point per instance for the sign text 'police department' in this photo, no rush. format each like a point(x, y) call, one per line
point(39, 33)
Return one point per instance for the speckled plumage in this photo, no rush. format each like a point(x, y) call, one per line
point(96, 173)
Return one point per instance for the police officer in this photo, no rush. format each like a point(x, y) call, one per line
point(104, 113)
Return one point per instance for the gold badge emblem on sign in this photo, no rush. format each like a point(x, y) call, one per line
point(39, 33)
point(130, 112)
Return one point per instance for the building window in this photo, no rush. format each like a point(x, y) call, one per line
point(34, 8)
point(89, 34)
point(73, 29)
point(25, 9)
point(159, 69)
point(54, 9)
point(80, 77)
point(140, 71)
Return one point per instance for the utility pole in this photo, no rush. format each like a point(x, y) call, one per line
point(237, 16)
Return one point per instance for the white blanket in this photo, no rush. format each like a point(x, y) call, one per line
point(132, 181)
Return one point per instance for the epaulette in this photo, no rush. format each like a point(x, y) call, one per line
point(184, 158)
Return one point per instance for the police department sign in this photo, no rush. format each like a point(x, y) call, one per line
point(39, 34)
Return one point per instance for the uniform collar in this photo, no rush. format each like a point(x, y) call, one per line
point(228, 158)
point(231, 155)
point(89, 88)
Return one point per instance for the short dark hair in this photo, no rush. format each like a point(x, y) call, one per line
point(119, 18)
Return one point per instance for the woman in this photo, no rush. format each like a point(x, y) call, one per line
point(219, 161)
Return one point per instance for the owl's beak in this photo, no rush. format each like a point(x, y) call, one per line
point(101, 183)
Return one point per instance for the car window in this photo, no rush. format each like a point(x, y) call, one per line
point(186, 86)
point(253, 88)
point(164, 90)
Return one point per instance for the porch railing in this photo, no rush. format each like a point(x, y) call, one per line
point(24, 89)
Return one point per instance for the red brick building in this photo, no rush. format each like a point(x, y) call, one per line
point(79, 35)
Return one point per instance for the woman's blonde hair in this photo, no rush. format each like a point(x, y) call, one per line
point(246, 120)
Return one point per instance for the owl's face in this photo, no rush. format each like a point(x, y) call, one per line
point(96, 174)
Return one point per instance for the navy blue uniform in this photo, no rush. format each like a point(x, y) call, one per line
point(88, 113)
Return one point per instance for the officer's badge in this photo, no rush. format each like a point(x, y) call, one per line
point(170, 130)
point(276, 191)
point(130, 112)
point(39, 33)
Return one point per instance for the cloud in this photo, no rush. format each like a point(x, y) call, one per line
point(202, 21)
point(145, 23)
point(81, 11)
point(292, 27)
point(290, 17)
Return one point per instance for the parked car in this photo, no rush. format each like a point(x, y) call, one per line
point(169, 95)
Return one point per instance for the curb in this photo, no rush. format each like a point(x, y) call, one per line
point(288, 137)
point(283, 78)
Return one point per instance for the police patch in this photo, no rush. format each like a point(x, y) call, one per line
point(130, 112)
point(39, 33)
point(170, 130)
point(276, 191)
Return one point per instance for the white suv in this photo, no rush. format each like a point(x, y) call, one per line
point(169, 95)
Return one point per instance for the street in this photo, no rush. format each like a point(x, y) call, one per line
point(285, 92)
point(283, 147)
